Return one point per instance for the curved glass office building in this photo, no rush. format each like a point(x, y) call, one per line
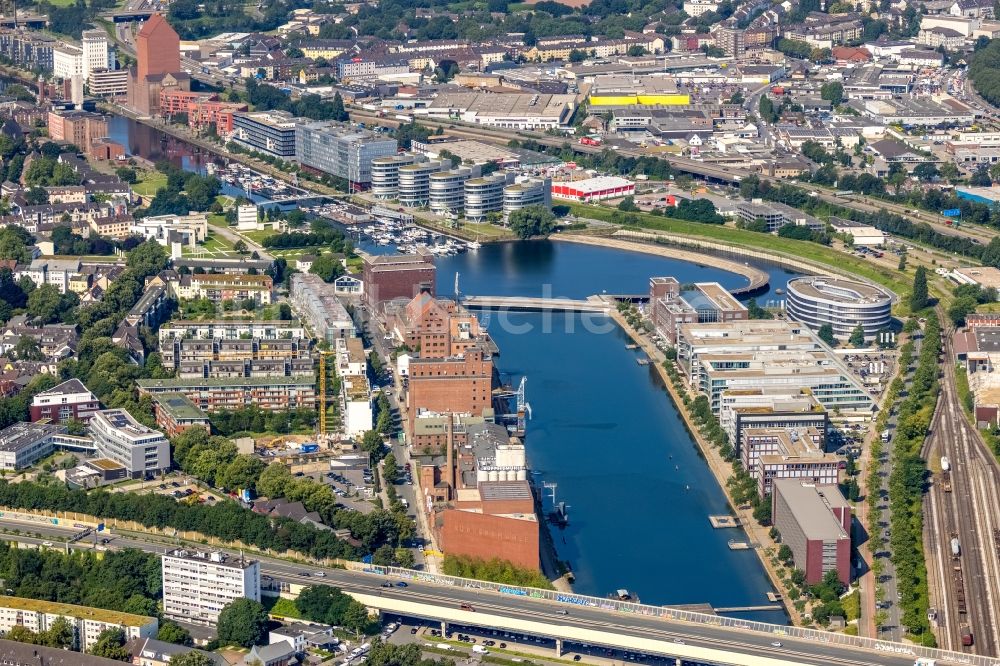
point(843, 304)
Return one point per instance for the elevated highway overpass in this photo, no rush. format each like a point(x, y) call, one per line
point(560, 617)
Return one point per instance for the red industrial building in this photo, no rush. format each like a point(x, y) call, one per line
point(158, 65)
point(457, 384)
point(815, 522)
point(69, 401)
point(397, 276)
point(593, 189)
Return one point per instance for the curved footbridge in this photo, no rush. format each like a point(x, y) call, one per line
point(595, 304)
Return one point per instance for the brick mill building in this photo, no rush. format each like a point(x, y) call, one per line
point(398, 276)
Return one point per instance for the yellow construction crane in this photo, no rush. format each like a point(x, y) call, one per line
point(322, 390)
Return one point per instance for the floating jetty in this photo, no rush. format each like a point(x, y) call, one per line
point(738, 545)
point(722, 522)
point(642, 361)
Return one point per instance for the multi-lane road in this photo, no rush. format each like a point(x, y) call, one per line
point(969, 513)
point(542, 612)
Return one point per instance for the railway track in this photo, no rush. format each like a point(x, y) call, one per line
point(967, 585)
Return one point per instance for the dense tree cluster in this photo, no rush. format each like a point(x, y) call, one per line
point(495, 570)
point(984, 71)
point(697, 210)
point(227, 521)
point(45, 171)
point(532, 221)
point(906, 486)
point(322, 603)
point(193, 20)
point(242, 622)
point(264, 97)
point(254, 419)
point(183, 193)
point(607, 160)
point(66, 242)
point(126, 580)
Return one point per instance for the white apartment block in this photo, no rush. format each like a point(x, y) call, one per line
point(121, 438)
point(67, 61)
point(88, 623)
point(699, 7)
point(197, 585)
point(188, 230)
point(219, 329)
point(96, 53)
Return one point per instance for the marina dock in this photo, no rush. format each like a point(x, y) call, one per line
point(723, 522)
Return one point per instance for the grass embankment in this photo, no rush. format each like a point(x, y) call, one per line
point(281, 607)
point(149, 182)
point(496, 571)
point(808, 251)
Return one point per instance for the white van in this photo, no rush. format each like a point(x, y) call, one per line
point(479, 649)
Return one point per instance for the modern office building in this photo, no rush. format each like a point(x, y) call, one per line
point(232, 393)
point(701, 303)
point(770, 408)
point(111, 83)
point(188, 230)
point(766, 354)
point(23, 444)
point(69, 401)
point(786, 453)
point(119, 437)
point(268, 132)
point(843, 304)
point(315, 301)
point(415, 182)
point(341, 150)
point(88, 623)
point(527, 192)
point(397, 276)
point(815, 522)
point(484, 195)
point(447, 191)
point(197, 585)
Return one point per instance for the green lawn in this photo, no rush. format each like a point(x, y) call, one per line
point(217, 220)
point(806, 250)
point(487, 231)
point(149, 183)
point(259, 236)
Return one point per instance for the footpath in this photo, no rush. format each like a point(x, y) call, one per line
point(720, 468)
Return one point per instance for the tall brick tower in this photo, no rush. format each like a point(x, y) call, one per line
point(158, 48)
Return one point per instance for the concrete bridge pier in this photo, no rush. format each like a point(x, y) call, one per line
point(559, 647)
point(444, 628)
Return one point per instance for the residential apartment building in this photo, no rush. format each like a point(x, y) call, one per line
point(201, 109)
point(175, 413)
point(232, 393)
point(815, 522)
point(119, 437)
point(218, 288)
point(69, 401)
point(268, 132)
point(88, 623)
point(250, 357)
point(198, 585)
point(56, 272)
point(27, 49)
point(355, 392)
point(318, 305)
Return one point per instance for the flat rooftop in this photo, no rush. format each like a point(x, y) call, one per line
point(71, 610)
point(812, 506)
point(214, 558)
point(21, 435)
point(215, 382)
point(179, 407)
point(846, 292)
point(985, 276)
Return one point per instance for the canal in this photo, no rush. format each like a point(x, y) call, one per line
point(603, 428)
